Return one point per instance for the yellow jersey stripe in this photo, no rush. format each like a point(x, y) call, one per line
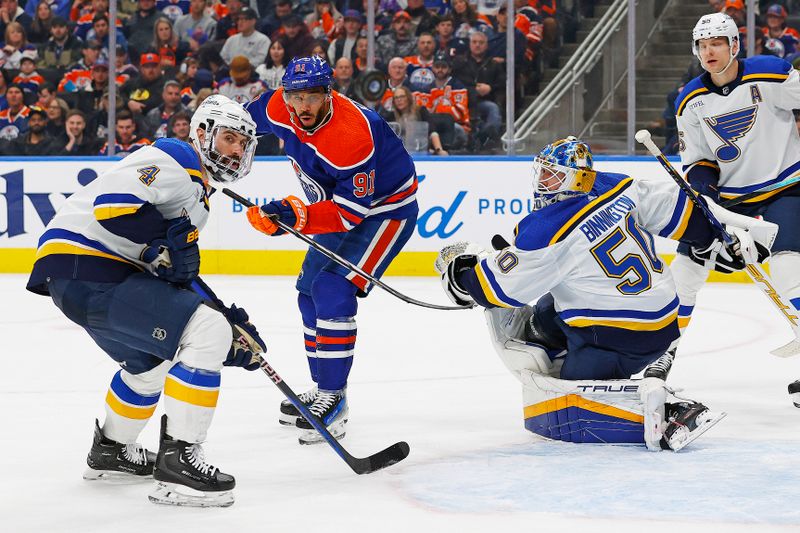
point(623, 323)
point(184, 393)
point(687, 214)
point(129, 411)
point(487, 287)
point(689, 96)
point(71, 249)
point(765, 75)
point(193, 172)
point(575, 400)
point(104, 213)
point(588, 207)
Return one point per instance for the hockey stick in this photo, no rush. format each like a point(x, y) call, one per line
point(360, 465)
point(755, 271)
point(333, 256)
point(769, 188)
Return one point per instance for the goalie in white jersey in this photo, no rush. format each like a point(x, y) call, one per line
point(586, 253)
point(117, 259)
point(738, 138)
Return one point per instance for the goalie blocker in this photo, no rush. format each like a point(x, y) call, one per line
point(625, 411)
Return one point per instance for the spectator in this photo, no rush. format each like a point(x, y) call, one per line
point(735, 9)
point(465, 18)
point(228, 25)
point(248, 42)
point(178, 127)
point(3, 89)
point(420, 66)
point(360, 61)
point(445, 39)
point(125, 69)
point(42, 21)
point(421, 19)
point(243, 84)
point(158, 118)
point(56, 110)
point(11, 12)
point(100, 34)
point(173, 9)
point(343, 74)
point(144, 93)
point(34, 141)
point(497, 41)
point(551, 34)
point(14, 118)
point(296, 39)
point(399, 42)
point(344, 45)
point(47, 93)
point(486, 80)
point(79, 75)
point(60, 8)
point(84, 28)
point(322, 21)
point(196, 27)
point(776, 28)
point(28, 78)
point(140, 27)
point(90, 95)
point(270, 24)
point(61, 49)
point(98, 121)
point(202, 94)
point(15, 44)
point(404, 113)
point(79, 141)
point(272, 70)
point(449, 96)
point(170, 49)
point(398, 77)
point(320, 49)
point(529, 23)
point(127, 140)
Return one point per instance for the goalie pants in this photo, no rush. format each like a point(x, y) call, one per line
point(327, 292)
point(164, 340)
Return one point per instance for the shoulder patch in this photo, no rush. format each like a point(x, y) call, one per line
point(182, 153)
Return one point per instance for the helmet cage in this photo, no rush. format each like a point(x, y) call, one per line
point(223, 168)
point(553, 182)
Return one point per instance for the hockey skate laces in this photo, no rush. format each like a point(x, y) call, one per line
point(135, 454)
point(322, 403)
point(197, 459)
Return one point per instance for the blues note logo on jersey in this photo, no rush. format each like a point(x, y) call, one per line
point(730, 127)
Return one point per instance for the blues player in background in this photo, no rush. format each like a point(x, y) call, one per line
point(361, 187)
point(586, 256)
point(116, 259)
point(737, 135)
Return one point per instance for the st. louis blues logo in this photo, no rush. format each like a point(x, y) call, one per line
point(731, 127)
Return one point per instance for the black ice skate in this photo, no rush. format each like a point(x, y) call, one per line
point(289, 413)
point(113, 461)
point(184, 478)
point(331, 408)
point(685, 422)
point(794, 392)
point(660, 369)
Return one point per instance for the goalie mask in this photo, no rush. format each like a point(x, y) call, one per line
point(562, 170)
point(716, 25)
point(217, 115)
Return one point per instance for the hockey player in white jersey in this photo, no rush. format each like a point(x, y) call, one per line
point(585, 255)
point(117, 259)
point(737, 137)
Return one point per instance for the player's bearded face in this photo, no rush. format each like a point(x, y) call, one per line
point(231, 145)
point(309, 106)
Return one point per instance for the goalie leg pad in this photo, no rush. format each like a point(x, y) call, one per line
point(507, 332)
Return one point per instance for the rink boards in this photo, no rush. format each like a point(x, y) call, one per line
point(460, 198)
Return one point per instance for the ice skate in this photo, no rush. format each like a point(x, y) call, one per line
point(794, 392)
point(331, 408)
point(184, 478)
point(661, 367)
point(685, 422)
point(289, 413)
point(109, 460)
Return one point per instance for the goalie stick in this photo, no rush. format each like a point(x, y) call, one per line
point(755, 271)
point(360, 465)
point(333, 256)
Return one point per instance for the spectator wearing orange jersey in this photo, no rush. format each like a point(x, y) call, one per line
point(226, 27)
point(28, 78)
point(127, 140)
point(322, 21)
point(397, 77)
point(529, 23)
point(449, 96)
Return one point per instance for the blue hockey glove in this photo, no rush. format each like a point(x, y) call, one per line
point(242, 357)
point(245, 339)
point(176, 257)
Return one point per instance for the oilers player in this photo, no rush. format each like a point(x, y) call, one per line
point(586, 254)
point(361, 186)
point(737, 136)
point(116, 259)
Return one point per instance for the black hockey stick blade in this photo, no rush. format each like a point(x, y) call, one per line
point(391, 455)
point(499, 242)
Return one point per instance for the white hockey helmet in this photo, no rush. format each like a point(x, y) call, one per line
point(217, 113)
point(715, 25)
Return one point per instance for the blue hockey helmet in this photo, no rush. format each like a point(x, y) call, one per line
point(562, 169)
point(306, 73)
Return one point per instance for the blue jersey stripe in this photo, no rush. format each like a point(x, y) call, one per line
point(622, 313)
point(104, 199)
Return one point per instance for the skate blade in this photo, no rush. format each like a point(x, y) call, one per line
point(691, 437)
point(288, 420)
point(311, 436)
point(183, 496)
point(789, 350)
point(114, 477)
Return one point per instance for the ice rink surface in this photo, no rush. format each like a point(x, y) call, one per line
point(430, 378)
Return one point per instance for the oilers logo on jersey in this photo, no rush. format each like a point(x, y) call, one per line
point(730, 127)
point(311, 188)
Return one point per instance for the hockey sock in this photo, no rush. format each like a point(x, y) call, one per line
point(309, 315)
point(190, 398)
point(129, 407)
point(785, 272)
point(689, 277)
point(336, 305)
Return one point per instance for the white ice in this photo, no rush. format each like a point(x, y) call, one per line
point(427, 377)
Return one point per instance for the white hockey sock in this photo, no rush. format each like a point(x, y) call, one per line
point(689, 278)
point(785, 273)
point(131, 401)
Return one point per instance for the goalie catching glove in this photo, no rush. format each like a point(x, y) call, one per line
point(453, 260)
point(290, 211)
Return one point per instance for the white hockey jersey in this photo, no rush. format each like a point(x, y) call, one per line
point(595, 254)
point(101, 230)
point(745, 130)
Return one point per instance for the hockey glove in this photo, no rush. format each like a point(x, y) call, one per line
point(731, 257)
point(247, 343)
point(291, 211)
point(176, 257)
point(457, 294)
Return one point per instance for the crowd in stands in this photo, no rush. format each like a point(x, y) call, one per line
point(443, 60)
point(774, 36)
